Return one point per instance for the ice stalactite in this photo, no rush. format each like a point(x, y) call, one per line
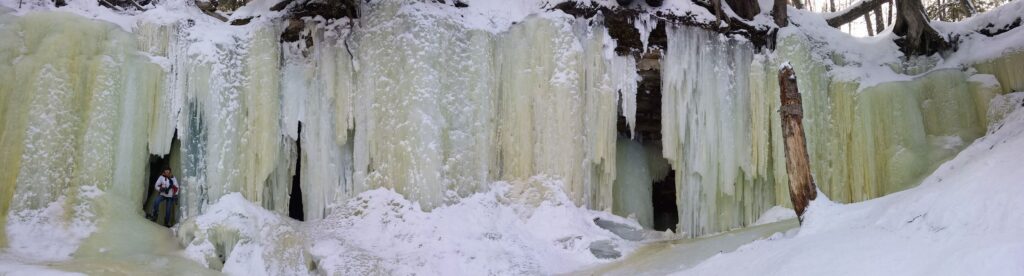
point(623, 71)
point(645, 24)
point(706, 131)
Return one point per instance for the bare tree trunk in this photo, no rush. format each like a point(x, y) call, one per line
point(917, 36)
point(779, 13)
point(718, 11)
point(797, 4)
point(867, 22)
point(890, 12)
point(798, 167)
point(746, 9)
point(831, 5)
point(942, 11)
point(879, 20)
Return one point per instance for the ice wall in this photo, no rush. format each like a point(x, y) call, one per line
point(441, 110)
point(424, 106)
point(412, 101)
point(871, 141)
point(722, 133)
point(76, 100)
point(1007, 69)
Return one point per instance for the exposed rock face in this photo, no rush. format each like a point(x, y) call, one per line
point(326, 9)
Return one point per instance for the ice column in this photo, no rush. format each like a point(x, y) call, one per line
point(707, 131)
point(327, 120)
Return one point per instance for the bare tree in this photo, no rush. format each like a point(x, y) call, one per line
point(917, 36)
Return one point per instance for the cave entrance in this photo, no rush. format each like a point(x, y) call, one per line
point(295, 196)
point(647, 131)
point(157, 164)
point(663, 197)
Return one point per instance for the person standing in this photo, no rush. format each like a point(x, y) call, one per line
point(167, 187)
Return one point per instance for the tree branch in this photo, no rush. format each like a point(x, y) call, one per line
point(851, 13)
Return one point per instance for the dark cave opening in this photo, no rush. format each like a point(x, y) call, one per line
point(295, 196)
point(663, 197)
point(157, 164)
point(648, 132)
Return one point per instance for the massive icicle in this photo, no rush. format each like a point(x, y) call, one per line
point(706, 131)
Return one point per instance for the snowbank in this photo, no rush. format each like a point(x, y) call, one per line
point(241, 238)
point(775, 214)
point(526, 228)
point(965, 219)
point(512, 229)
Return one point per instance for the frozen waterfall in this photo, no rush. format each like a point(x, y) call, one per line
point(435, 110)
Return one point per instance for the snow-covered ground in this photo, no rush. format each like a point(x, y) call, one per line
point(965, 219)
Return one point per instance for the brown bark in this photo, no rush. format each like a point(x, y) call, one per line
point(801, 184)
point(779, 13)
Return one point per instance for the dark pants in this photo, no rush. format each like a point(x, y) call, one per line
point(168, 211)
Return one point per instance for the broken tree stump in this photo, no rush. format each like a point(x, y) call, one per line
point(798, 167)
